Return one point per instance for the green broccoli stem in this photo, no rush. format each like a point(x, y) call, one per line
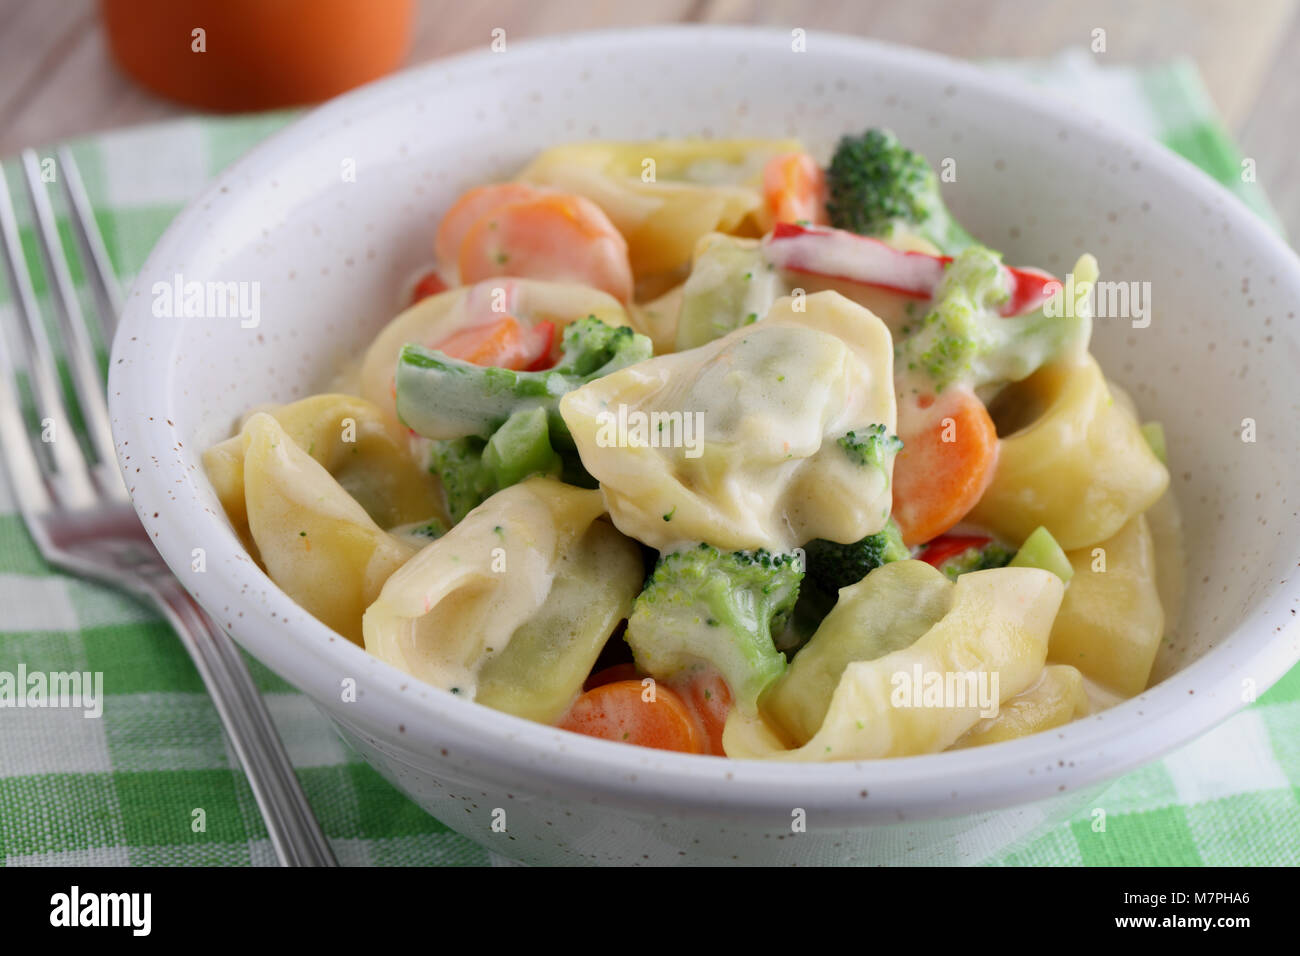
point(1040, 550)
point(444, 398)
point(472, 470)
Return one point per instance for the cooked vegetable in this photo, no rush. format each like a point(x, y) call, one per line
point(944, 468)
point(966, 339)
point(1040, 550)
point(794, 188)
point(627, 711)
point(444, 398)
point(471, 469)
point(832, 566)
point(845, 256)
point(958, 554)
point(872, 448)
point(876, 186)
point(703, 606)
point(510, 229)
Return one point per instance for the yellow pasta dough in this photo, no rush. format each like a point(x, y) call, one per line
point(1056, 698)
point(1111, 621)
point(767, 404)
point(349, 437)
point(992, 640)
point(1081, 469)
point(512, 606)
point(316, 542)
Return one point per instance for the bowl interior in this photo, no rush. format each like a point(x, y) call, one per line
point(330, 218)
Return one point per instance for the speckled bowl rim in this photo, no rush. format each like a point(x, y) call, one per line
point(394, 708)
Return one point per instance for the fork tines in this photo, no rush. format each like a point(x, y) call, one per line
point(78, 469)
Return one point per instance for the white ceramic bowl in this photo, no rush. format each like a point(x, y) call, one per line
point(1035, 178)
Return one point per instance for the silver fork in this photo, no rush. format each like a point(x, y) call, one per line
point(77, 509)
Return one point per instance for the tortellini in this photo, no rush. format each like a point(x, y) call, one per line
point(512, 606)
point(664, 195)
point(1055, 699)
point(1111, 621)
point(988, 645)
point(1082, 469)
point(315, 541)
point(737, 443)
point(903, 600)
point(351, 439)
point(432, 320)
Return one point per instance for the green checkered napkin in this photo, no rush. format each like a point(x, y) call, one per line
point(122, 789)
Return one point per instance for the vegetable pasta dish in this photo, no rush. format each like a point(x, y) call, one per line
point(704, 446)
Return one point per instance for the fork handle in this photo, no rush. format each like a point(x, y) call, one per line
point(295, 833)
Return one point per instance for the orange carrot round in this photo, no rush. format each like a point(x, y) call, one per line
point(551, 236)
point(709, 698)
point(472, 206)
point(794, 188)
point(945, 466)
point(620, 711)
point(505, 343)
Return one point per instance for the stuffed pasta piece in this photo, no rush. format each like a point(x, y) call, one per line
point(355, 443)
point(513, 605)
point(664, 195)
point(315, 540)
point(906, 663)
point(765, 438)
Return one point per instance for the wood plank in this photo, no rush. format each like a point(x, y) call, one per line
point(1268, 134)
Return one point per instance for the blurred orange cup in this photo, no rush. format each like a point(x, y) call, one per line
point(231, 55)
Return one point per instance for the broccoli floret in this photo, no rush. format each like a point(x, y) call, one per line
point(872, 447)
point(964, 339)
point(705, 607)
point(472, 469)
point(832, 566)
point(991, 555)
point(444, 398)
point(876, 186)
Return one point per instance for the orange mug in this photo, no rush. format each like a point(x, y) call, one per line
point(231, 55)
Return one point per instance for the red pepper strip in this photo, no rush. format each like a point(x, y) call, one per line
point(838, 254)
point(430, 284)
point(950, 546)
point(545, 344)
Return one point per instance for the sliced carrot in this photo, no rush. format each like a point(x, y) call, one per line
point(794, 188)
point(619, 711)
point(552, 236)
point(505, 343)
point(611, 674)
point(472, 206)
point(430, 284)
point(709, 698)
point(945, 466)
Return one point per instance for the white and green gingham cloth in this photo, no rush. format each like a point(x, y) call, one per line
point(122, 789)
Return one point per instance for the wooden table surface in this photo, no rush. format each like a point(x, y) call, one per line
point(57, 81)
